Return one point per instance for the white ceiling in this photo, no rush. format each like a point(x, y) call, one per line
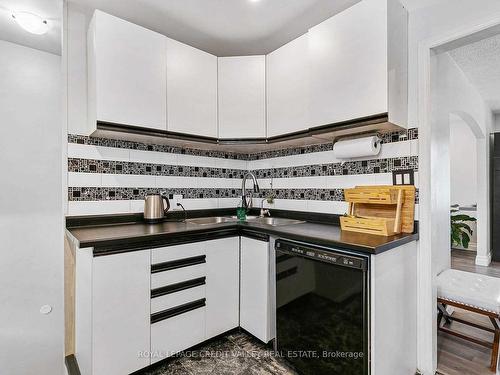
point(224, 27)
point(51, 10)
point(480, 62)
point(412, 5)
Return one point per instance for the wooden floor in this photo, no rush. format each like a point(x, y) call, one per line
point(457, 356)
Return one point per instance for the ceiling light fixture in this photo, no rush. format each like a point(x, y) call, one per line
point(30, 22)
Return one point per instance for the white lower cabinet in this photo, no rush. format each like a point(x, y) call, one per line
point(222, 285)
point(136, 308)
point(254, 288)
point(112, 312)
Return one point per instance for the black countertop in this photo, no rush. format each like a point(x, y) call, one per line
point(111, 238)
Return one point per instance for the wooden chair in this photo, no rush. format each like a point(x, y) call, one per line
point(475, 293)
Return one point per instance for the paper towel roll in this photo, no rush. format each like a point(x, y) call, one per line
point(356, 148)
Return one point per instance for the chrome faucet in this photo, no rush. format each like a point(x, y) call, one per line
point(263, 211)
point(256, 188)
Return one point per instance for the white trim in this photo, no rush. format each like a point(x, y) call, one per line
point(483, 260)
point(426, 327)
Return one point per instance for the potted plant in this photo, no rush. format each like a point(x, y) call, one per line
point(460, 231)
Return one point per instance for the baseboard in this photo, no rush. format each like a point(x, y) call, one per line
point(483, 260)
point(72, 365)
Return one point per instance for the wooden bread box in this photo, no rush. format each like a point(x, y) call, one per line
point(383, 210)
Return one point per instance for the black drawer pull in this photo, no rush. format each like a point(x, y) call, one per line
point(177, 287)
point(178, 263)
point(177, 310)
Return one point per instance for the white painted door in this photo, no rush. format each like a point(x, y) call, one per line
point(222, 286)
point(121, 312)
point(191, 90)
point(287, 83)
point(242, 96)
point(127, 73)
point(254, 288)
point(348, 64)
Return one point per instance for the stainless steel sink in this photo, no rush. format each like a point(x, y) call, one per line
point(275, 221)
point(212, 220)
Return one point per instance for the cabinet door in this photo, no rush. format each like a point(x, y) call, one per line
point(222, 286)
point(242, 97)
point(121, 312)
point(348, 64)
point(191, 90)
point(127, 73)
point(254, 288)
point(287, 88)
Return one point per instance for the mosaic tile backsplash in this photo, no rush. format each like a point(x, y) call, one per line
point(297, 174)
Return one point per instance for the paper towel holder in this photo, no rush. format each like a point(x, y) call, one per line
point(359, 146)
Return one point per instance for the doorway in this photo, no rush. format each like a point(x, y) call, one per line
point(456, 122)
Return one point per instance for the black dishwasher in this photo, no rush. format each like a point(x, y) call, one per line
point(322, 309)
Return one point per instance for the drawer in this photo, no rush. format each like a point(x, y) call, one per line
point(161, 279)
point(165, 254)
point(167, 301)
point(177, 333)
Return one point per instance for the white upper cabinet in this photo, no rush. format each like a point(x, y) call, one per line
point(287, 88)
point(191, 90)
point(126, 73)
point(358, 64)
point(242, 97)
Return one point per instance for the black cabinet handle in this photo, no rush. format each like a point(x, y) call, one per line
point(179, 263)
point(174, 311)
point(177, 287)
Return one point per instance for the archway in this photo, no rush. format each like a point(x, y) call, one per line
point(478, 152)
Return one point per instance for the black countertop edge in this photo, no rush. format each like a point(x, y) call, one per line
point(123, 245)
point(275, 231)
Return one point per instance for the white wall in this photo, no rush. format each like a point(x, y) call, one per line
point(463, 163)
point(31, 212)
point(430, 22)
point(496, 122)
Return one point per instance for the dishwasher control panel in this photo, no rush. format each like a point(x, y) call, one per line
point(322, 255)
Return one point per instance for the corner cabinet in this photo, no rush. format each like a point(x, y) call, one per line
point(255, 288)
point(242, 96)
point(287, 88)
point(358, 64)
point(126, 74)
point(223, 294)
point(191, 90)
